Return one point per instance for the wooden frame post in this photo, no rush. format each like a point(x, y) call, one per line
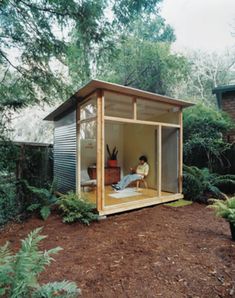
point(78, 151)
point(180, 174)
point(159, 160)
point(100, 151)
point(134, 101)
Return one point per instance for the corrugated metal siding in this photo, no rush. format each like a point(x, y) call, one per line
point(65, 153)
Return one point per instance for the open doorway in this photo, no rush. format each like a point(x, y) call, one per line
point(132, 140)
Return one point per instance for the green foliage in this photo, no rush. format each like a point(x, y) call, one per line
point(75, 208)
point(63, 289)
point(225, 209)
point(203, 136)
point(43, 199)
point(152, 29)
point(31, 29)
point(199, 184)
point(19, 272)
point(9, 206)
point(127, 10)
point(146, 65)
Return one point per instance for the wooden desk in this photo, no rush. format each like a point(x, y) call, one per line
point(112, 175)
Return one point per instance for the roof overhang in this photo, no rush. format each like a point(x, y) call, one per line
point(218, 91)
point(94, 85)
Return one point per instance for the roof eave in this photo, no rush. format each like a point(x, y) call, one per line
point(93, 85)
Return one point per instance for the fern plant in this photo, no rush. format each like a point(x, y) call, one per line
point(43, 199)
point(75, 208)
point(19, 272)
point(201, 183)
point(226, 210)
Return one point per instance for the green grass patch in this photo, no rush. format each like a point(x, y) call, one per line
point(179, 203)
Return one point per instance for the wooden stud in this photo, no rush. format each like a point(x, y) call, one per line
point(159, 160)
point(100, 151)
point(78, 151)
point(103, 149)
point(180, 146)
point(126, 120)
point(134, 108)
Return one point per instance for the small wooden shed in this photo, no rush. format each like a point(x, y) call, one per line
point(137, 123)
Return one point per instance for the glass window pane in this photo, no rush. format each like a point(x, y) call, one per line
point(118, 105)
point(88, 159)
point(156, 111)
point(89, 109)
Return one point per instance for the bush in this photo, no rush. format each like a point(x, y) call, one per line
point(9, 207)
point(43, 199)
point(204, 145)
point(225, 209)
point(201, 184)
point(18, 164)
point(19, 272)
point(75, 208)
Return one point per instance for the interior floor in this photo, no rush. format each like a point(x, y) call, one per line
point(136, 195)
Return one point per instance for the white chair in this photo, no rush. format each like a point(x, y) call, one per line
point(86, 181)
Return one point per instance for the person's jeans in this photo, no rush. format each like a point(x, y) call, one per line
point(126, 180)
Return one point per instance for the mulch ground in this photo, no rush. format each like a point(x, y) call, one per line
point(153, 252)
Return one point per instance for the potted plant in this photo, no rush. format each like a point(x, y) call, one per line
point(226, 209)
point(112, 156)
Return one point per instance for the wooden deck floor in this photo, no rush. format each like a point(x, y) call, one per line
point(109, 201)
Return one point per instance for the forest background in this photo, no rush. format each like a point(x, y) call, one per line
point(48, 49)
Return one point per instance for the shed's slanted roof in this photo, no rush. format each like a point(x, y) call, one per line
point(94, 85)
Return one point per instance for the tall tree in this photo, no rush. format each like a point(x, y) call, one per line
point(36, 35)
point(207, 70)
point(144, 59)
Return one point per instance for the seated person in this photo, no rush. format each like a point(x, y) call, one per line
point(140, 172)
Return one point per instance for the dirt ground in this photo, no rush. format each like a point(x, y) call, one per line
point(160, 251)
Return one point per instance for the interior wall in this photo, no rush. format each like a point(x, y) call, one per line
point(170, 159)
point(114, 137)
point(139, 140)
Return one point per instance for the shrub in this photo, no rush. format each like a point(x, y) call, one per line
point(43, 199)
point(75, 208)
point(19, 272)
point(200, 184)
point(9, 206)
point(225, 209)
point(204, 128)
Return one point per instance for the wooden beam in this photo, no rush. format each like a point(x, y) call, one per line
point(100, 151)
point(78, 151)
point(159, 160)
point(139, 204)
point(180, 177)
point(134, 108)
point(140, 121)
